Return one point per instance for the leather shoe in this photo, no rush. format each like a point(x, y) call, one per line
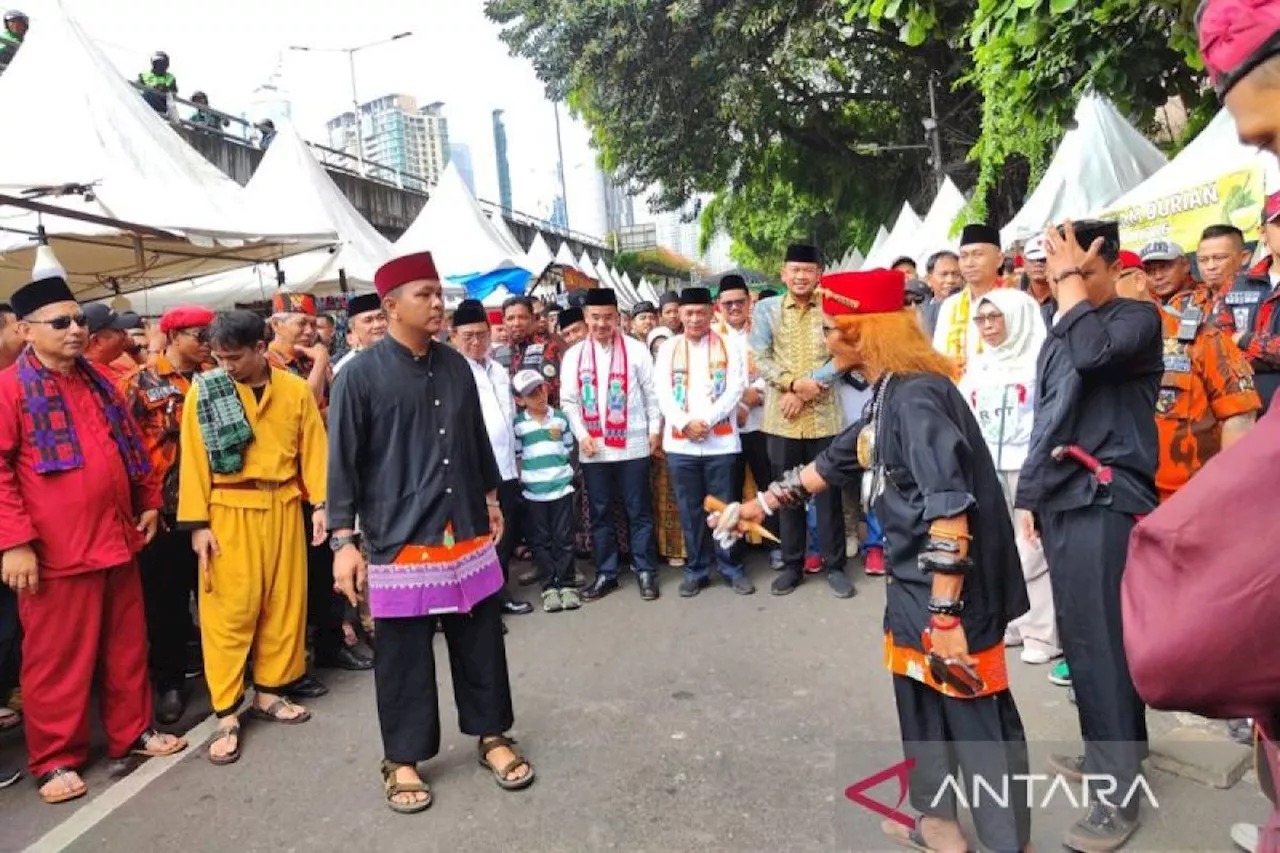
point(599, 588)
point(169, 706)
point(689, 587)
point(305, 687)
point(786, 581)
point(345, 658)
point(648, 586)
point(742, 585)
point(516, 608)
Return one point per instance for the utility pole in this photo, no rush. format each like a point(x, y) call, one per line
point(934, 132)
point(564, 192)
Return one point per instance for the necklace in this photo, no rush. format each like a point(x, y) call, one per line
point(868, 448)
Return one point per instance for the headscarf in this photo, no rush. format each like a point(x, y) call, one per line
point(1014, 360)
point(657, 333)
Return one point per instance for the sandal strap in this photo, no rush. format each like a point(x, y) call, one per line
point(518, 761)
point(55, 773)
point(489, 744)
point(223, 733)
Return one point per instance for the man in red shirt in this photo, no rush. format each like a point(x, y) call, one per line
point(109, 340)
point(70, 451)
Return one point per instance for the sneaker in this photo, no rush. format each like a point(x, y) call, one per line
point(873, 561)
point(1102, 830)
point(786, 582)
point(1245, 836)
point(11, 775)
point(1012, 639)
point(551, 601)
point(569, 599)
point(1060, 675)
point(775, 560)
point(841, 585)
point(1038, 657)
point(812, 564)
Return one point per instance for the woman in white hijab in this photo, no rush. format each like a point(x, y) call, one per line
point(999, 385)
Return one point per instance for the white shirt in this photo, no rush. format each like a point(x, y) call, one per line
point(499, 411)
point(1004, 407)
point(701, 405)
point(643, 415)
point(755, 416)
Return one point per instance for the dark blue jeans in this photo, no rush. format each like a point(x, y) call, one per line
point(628, 481)
point(695, 477)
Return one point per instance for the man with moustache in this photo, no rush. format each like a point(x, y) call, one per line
point(366, 324)
point(1247, 311)
point(644, 316)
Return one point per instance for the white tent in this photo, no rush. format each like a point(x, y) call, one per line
point(882, 236)
point(1097, 162)
point(503, 230)
point(627, 290)
point(539, 255)
point(454, 229)
point(854, 259)
point(935, 232)
point(586, 266)
point(290, 171)
point(647, 291)
point(901, 240)
point(564, 257)
point(158, 211)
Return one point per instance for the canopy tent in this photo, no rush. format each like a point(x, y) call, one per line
point(586, 265)
point(647, 291)
point(290, 171)
point(503, 230)
point(564, 257)
point(539, 255)
point(1097, 162)
point(935, 232)
point(626, 285)
point(152, 209)
point(462, 240)
point(882, 236)
point(900, 242)
point(1214, 179)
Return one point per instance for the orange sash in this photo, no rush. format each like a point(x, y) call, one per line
point(912, 663)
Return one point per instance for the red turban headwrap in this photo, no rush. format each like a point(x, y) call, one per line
point(401, 271)
point(185, 317)
point(1235, 36)
point(863, 292)
point(285, 302)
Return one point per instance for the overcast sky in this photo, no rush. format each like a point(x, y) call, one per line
point(229, 48)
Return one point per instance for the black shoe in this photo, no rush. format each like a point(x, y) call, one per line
point(169, 706)
point(1102, 830)
point(742, 585)
point(305, 687)
point(648, 585)
point(841, 585)
point(689, 587)
point(9, 776)
point(786, 581)
point(599, 588)
point(528, 578)
point(516, 608)
point(1069, 767)
point(344, 658)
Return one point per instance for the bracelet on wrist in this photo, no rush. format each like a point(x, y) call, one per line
point(944, 623)
point(1066, 274)
point(946, 606)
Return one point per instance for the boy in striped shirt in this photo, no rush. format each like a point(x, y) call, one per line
point(543, 443)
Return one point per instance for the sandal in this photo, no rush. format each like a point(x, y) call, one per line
point(394, 788)
point(271, 713)
point(142, 746)
point(912, 838)
point(222, 734)
point(9, 718)
point(488, 745)
point(60, 773)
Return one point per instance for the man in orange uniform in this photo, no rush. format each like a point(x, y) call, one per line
point(155, 395)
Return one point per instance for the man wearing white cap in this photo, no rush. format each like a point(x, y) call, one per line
point(1035, 267)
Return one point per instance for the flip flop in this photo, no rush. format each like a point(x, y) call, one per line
point(65, 796)
point(912, 838)
point(141, 746)
point(500, 774)
point(271, 713)
point(222, 734)
point(9, 719)
point(393, 788)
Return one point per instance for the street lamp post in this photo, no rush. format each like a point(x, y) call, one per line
point(351, 70)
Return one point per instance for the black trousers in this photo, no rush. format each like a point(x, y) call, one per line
point(787, 453)
point(1086, 550)
point(549, 528)
point(169, 568)
point(512, 503)
point(979, 738)
point(754, 457)
point(405, 674)
point(326, 609)
point(10, 642)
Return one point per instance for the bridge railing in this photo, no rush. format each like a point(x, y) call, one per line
point(228, 126)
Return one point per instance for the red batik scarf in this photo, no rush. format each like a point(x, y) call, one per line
point(614, 430)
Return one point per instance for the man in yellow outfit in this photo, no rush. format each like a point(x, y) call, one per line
point(252, 449)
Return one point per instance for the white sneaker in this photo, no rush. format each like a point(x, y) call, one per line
point(1012, 639)
point(1037, 657)
point(1245, 836)
point(551, 601)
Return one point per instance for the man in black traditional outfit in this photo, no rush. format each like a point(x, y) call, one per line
point(1089, 474)
point(411, 458)
point(955, 579)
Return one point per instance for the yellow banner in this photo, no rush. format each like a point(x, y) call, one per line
point(1235, 198)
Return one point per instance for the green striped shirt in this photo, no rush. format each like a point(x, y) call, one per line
point(542, 448)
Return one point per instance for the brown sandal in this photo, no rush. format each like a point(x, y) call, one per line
point(58, 773)
point(488, 745)
point(394, 788)
point(271, 713)
point(142, 746)
point(222, 734)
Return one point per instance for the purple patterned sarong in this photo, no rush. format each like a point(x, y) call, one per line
point(453, 580)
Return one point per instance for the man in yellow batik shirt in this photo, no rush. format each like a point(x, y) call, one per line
point(253, 448)
point(802, 412)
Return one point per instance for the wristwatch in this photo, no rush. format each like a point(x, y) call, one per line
point(337, 543)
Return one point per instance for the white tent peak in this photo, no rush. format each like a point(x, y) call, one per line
point(539, 254)
point(564, 257)
point(901, 240)
point(934, 234)
point(1097, 161)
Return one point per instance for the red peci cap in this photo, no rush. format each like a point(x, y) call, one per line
point(185, 317)
point(1235, 37)
point(287, 302)
point(401, 271)
point(864, 292)
point(1130, 260)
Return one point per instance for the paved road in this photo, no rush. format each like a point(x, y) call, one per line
point(720, 722)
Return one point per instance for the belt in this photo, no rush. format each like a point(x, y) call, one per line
point(255, 485)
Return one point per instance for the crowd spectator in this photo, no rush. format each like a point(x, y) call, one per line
point(158, 83)
point(15, 30)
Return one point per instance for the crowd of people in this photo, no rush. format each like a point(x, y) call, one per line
point(242, 497)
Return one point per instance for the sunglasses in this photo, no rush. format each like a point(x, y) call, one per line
point(201, 335)
point(64, 322)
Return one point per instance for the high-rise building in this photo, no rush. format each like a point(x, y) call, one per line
point(504, 166)
point(619, 212)
point(399, 137)
point(460, 157)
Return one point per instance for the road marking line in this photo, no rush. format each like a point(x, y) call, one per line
point(100, 807)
